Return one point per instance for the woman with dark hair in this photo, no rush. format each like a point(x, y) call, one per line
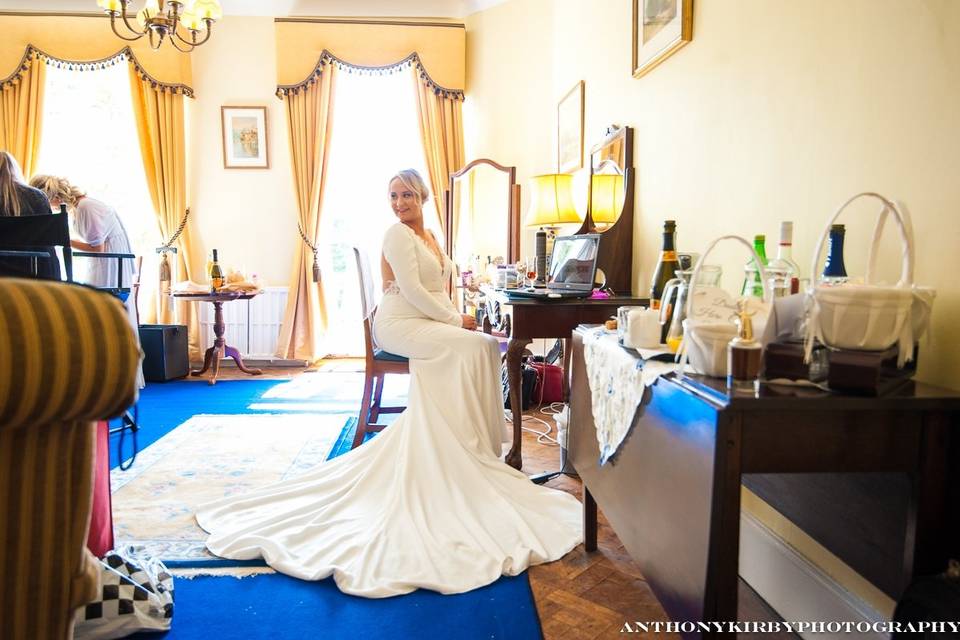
point(428, 503)
point(19, 199)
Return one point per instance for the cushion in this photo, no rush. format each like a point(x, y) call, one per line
point(380, 354)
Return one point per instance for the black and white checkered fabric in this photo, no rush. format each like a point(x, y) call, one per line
point(137, 595)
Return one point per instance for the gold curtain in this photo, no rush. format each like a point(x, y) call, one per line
point(309, 122)
point(441, 129)
point(159, 112)
point(21, 111)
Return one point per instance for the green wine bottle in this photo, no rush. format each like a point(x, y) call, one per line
point(752, 281)
point(668, 265)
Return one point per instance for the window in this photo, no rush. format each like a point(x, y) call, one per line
point(374, 134)
point(90, 137)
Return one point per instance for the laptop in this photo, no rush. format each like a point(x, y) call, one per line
point(572, 269)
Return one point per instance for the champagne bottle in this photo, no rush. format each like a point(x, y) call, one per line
point(834, 269)
point(783, 263)
point(752, 281)
point(216, 274)
point(668, 265)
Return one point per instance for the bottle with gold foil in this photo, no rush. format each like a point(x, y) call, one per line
point(216, 274)
point(668, 265)
point(744, 355)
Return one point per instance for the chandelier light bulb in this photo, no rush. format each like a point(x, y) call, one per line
point(207, 9)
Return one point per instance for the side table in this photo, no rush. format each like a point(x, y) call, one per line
point(220, 348)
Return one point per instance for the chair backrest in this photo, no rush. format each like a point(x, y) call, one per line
point(367, 304)
point(31, 232)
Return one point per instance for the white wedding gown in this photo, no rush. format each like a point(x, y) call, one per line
point(427, 503)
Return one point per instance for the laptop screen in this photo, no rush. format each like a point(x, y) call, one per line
point(574, 262)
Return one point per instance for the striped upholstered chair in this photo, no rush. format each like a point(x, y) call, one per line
point(67, 359)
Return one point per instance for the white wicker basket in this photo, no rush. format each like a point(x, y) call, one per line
point(870, 316)
point(705, 341)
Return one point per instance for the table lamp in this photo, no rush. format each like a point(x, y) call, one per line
point(606, 199)
point(551, 204)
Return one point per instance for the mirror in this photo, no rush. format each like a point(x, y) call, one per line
point(483, 213)
point(610, 207)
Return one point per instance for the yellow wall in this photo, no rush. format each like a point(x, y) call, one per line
point(249, 215)
point(83, 38)
point(778, 110)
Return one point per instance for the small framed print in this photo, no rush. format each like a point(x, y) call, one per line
point(660, 27)
point(570, 130)
point(244, 137)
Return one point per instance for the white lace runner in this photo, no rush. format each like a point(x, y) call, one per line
point(617, 380)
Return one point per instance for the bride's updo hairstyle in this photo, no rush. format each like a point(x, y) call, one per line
point(412, 180)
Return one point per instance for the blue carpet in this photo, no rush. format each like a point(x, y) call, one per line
point(165, 405)
point(278, 606)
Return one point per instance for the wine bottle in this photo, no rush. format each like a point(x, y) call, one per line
point(834, 269)
point(783, 264)
point(752, 282)
point(216, 274)
point(668, 265)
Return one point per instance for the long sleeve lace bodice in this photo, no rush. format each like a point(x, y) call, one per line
point(418, 275)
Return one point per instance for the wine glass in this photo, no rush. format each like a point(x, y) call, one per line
point(531, 271)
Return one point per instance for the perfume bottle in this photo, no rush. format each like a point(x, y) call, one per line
point(744, 355)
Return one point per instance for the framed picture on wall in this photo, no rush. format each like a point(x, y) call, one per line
point(660, 27)
point(244, 137)
point(570, 130)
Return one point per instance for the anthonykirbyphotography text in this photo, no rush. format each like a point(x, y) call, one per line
point(818, 626)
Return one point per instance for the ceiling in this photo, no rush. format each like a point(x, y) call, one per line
point(276, 8)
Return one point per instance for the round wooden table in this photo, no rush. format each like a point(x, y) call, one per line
point(220, 348)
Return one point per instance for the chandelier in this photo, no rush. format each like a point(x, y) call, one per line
point(160, 19)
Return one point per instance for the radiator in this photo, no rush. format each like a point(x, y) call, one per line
point(252, 326)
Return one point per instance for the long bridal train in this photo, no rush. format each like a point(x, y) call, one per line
point(427, 503)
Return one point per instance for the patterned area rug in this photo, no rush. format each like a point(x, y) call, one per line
point(205, 458)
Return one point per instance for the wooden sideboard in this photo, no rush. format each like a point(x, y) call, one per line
point(672, 494)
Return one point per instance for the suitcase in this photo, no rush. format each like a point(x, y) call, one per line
point(166, 355)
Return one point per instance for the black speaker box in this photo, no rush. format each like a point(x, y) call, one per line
point(166, 356)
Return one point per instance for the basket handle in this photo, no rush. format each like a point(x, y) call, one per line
point(878, 233)
point(906, 268)
point(767, 291)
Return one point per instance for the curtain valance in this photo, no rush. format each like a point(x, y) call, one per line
point(124, 55)
point(412, 60)
point(303, 43)
point(85, 38)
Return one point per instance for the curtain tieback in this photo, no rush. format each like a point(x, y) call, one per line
point(314, 249)
point(176, 234)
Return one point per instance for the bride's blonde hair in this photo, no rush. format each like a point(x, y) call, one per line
point(412, 180)
point(57, 188)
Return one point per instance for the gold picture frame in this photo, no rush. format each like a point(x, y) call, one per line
point(570, 130)
point(660, 27)
point(244, 135)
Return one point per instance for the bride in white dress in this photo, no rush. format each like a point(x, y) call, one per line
point(427, 503)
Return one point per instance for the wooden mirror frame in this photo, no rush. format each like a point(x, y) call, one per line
point(615, 253)
point(512, 207)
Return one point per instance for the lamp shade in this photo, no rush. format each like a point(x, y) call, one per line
point(606, 198)
point(551, 200)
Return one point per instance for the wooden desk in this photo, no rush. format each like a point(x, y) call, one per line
point(522, 320)
point(673, 494)
point(220, 348)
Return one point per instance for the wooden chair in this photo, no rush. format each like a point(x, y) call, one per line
point(379, 363)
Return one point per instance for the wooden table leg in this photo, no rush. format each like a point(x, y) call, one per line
point(207, 361)
point(514, 379)
point(589, 520)
point(723, 559)
point(233, 353)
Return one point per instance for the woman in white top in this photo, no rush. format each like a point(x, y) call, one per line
point(428, 503)
point(100, 230)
